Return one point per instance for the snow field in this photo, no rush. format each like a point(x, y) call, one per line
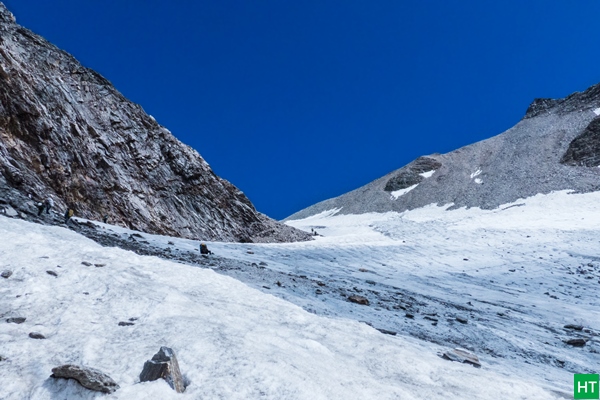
point(232, 342)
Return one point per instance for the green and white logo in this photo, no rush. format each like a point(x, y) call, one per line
point(585, 386)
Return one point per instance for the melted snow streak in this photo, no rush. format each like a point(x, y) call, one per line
point(234, 342)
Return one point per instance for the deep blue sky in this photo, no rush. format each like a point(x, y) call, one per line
point(298, 101)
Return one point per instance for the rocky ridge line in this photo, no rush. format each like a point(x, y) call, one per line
point(66, 132)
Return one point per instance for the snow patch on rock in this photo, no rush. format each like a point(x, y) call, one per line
point(397, 193)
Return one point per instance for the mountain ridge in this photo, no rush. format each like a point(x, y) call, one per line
point(554, 147)
point(67, 133)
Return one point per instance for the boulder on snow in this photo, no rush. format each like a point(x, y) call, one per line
point(9, 211)
point(89, 378)
point(164, 365)
point(6, 274)
point(359, 300)
point(36, 335)
point(462, 356)
point(16, 320)
point(579, 342)
point(574, 327)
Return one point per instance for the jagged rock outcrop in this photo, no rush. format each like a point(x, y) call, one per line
point(164, 365)
point(556, 146)
point(584, 150)
point(66, 132)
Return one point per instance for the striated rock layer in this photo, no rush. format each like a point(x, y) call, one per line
point(66, 132)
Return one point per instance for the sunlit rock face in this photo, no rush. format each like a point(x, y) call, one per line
point(66, 132)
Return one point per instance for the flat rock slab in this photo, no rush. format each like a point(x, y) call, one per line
point(89, 378)
point(6, 274)
point(16, 320)
point(36, 335)
point(164, 365)
point(462, 356)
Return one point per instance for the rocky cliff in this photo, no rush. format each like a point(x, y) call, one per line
point(556, 146)
point(66, 132)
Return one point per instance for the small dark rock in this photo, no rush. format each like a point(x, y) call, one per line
point(264, 264)
point(321, 283)
point(89, 378)
point(6, 274)
point(318, 291)
point(99, 265)
point(86, 293)
point(266, 287)
point(164, 365)
point(250, 252)
point(363, 270)
point(359, 300)
point(87, 264)
point(36, 335)
point(123, 323)
point(462, 320)
point(576, 342)
point(52, 273)
point(16, 320)
point(407, 315)
point(133, 319)
point(370, 282)
point(430, 318)
point(171, 243)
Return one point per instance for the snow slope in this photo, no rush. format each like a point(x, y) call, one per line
point(232, 341)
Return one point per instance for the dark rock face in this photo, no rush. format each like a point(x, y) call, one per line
point(410, 174)
point(89, 378)
point(164, 365)
point(66, 132)
point(578, 101)
point(584, 150)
